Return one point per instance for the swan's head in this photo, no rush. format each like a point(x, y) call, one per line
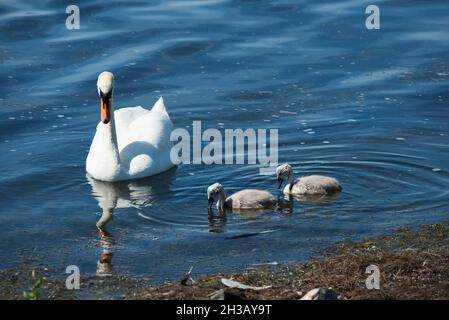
point(212, 193)
point(284, 171)
point(105, 87)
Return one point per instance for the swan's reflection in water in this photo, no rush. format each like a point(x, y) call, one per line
point(104, 263)
point(123, 194)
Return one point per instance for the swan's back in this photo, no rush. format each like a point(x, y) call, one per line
point(251, 199)
point(313, 185)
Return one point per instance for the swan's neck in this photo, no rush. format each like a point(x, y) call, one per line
point(108, 150)
point(221, 203)
point(110, 137)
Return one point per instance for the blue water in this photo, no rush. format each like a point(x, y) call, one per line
point(369, 107)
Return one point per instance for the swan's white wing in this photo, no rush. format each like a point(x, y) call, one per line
point(154, 128)
point(123, 118)
point(149, 149)
point(131, 125)
point(159, 106)
point(144, 139)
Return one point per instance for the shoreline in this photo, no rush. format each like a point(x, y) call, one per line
point(413, 264)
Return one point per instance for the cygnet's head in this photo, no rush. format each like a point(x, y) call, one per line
point(213, 192)
point(284, 171)
point(105, 87)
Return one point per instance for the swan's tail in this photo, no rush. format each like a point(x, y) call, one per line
point(159, 106)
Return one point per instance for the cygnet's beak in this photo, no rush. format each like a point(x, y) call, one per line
point(210, 202)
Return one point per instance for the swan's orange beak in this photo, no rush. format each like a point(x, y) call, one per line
point(105, 108)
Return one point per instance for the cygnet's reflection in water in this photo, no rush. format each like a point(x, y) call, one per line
point(123, 194)
point(218, 220)
point(312, 198)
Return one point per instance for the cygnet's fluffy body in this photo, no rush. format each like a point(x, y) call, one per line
point(314, 185)
point(247, 199)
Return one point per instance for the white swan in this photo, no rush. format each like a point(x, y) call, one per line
point(306, 186)
point(131, 142)
point(247, 199)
